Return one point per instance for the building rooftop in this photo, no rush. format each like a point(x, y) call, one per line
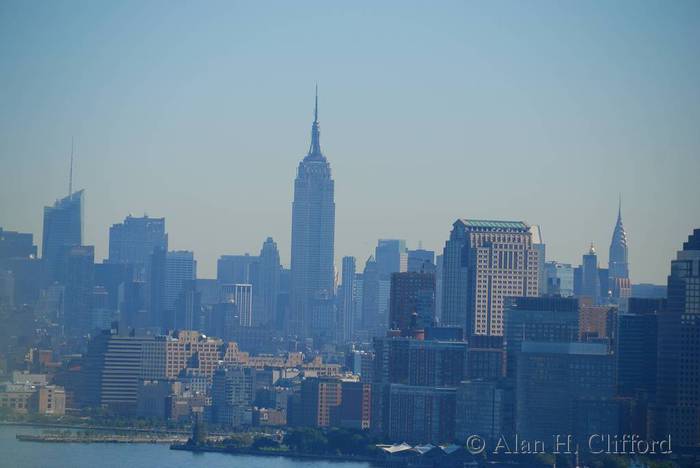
point(70, 200)
point(491, 224)
point(693, 242)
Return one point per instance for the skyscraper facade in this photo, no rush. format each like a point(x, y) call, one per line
point(484, 407)
point(78, 273)
point(7, 289)
point(16, 244)
point(591, 286)
point(565, 388)
point(371, 319)
point(180, 267)
point(409, 377)
point(618, 268)
point(678, 372)
point(267, 287)
point(243, 298)
point(63, 228)
point(438, 287)
point(412, 302)
point(538, 243)
point(134, 240)
point(484, 262)
point(313, 231)
point(559, 279)
point(233, 390)
point(241, 269)
point(155, 288)
point(22, 271)
point(188, 307)
point(636, 338)
point(358, 290)
point(542, 319)
point(113, 366)
point(346, 303)
point(421, 260)
point(391, 256)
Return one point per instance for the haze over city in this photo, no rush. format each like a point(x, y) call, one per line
point(314, 234)
point(542, 112)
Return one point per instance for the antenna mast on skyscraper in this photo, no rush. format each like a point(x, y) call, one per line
point(316, 105)
point(619, 205)
point(70, 174)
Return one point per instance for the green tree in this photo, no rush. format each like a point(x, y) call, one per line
point(306, 440)
point(238, 440)
point(263, 443)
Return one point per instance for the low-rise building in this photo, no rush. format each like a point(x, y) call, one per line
point(49, 400)
point(16, 398)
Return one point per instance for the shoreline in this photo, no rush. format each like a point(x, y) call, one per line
point(105, 439)
point(93, 427)
point(285, 454)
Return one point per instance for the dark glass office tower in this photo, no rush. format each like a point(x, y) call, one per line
point(134, 240)
point(636, 336)
point(678, 374)
point(391, 256)
point(78, 273)
point(565, 388)
point(371, 319)
point(590, 276)
point(63, 228)
point(346, 302)
point(16, 244)
point(421, 261)
point(542, 319)
point(237, 269)
point(313, 230)
point(412, 301)
point(267, 287)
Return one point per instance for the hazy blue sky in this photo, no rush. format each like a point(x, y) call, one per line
point(430, 111)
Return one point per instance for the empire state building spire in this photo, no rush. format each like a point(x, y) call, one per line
point(315, 148)
point(313, 236)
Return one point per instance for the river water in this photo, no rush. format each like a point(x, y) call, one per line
point(16, 454)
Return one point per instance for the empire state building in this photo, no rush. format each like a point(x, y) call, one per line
point(313, 232)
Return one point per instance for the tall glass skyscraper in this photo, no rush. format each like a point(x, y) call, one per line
point(313, 231)
point(590, 276)
point(267, 287)
point(180, 267)
point(391, 256)
point(346, 302)
point(63, 228)
point(677, 409)
point(133, 240)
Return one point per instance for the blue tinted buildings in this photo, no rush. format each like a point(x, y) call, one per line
point(313, 234)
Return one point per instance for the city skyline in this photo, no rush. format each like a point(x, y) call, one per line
point(174, 145)
point(496, 245)
point(211, 262)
